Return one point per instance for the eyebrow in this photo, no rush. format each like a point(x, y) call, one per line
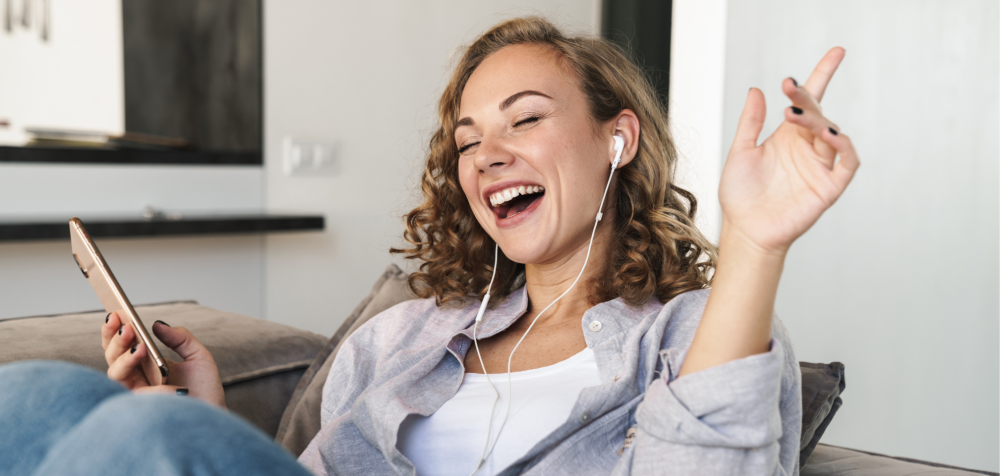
point(513, 98)
point(467, 121)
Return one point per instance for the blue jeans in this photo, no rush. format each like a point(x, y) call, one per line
point(58, 418)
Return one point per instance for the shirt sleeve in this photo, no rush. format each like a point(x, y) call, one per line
point(716, 421)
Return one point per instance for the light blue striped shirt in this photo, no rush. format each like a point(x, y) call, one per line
point(742, 417)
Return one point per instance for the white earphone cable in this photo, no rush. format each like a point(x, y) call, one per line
point(475, 340)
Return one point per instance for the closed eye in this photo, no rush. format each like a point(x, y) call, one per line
point(527, 120)
point(523, 122)
point(466, 147)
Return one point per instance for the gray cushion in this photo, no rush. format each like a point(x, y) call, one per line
point(834, 461)
point(822, 385)
point(260, 362)
point(301, 420)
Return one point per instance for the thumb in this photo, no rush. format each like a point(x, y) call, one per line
point(751, 121)
point(162, 390)
point(181, 341)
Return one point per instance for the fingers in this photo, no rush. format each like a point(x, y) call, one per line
point(109, 329)
point(816, 123)
point(163, 390)
point(800, 97)
point(821, 75)
point(126, 368)
point(843, 172)
point(831, 143)
point(117, 337)
point(751, 121)
point(181, 341)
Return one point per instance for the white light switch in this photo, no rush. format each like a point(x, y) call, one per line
point(300, 158)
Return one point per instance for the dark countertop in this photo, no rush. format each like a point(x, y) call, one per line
point(126, 156)
point(55, 227)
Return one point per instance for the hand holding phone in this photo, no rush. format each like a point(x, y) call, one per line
point(97, 272)
point(197, 373)
point(132, 356)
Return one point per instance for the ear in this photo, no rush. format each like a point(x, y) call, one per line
point(626, 126)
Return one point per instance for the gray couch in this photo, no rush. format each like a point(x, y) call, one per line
point(273, 374)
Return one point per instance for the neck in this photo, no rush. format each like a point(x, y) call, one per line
point(546, 281)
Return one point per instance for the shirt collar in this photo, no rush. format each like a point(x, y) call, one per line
point(497, 319)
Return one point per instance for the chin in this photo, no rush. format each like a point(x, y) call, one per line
point(520, 252)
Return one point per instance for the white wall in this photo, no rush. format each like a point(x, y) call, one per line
point(899, 280)
point(697, 79)
point(365, 76)
point(40, 277)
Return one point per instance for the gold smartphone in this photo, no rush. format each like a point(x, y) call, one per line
point(97, 272)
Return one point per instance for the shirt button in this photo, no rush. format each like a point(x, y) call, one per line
point(585, 417)
point(596, 326)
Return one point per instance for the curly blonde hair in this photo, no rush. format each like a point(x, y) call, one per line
point(658, 251)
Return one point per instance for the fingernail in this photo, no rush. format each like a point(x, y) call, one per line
point(796, 83)
point(164, 323)
point(107, 317)
point(133, 348)
point(182, 392)
point(797, 110)
point(120, 329)
point(833, 131)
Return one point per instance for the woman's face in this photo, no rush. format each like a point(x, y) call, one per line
point(532, 163)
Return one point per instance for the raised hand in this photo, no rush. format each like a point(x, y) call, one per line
point(197, 374)
point(772, 193)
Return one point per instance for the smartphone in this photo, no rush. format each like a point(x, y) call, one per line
point(97, 272)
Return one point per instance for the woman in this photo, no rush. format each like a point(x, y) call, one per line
point(638, 369)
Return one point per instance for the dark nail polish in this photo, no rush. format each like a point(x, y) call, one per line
point(164, 323)
point(796, 110)
point(182, 392)
point(120, 329)
point(796, 83)
point(833, 131)
point(107, 317)
point(133, 349)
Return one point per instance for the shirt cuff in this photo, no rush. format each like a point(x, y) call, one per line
point(734, 405)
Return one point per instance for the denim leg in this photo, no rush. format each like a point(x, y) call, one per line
point(166, 435)
point(39, 402)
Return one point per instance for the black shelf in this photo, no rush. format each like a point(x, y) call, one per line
point(57, 227)
point(126, 156)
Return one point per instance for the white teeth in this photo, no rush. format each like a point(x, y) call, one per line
point(506, 195)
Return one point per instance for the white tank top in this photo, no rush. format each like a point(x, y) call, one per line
point(450, 442)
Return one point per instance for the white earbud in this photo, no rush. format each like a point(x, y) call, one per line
point(619, 147)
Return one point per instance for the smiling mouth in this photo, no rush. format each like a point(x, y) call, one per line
point(513, 201)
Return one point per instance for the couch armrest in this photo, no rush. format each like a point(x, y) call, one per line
point(260, 362)
point(829, 460)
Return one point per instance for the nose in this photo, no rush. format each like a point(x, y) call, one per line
point(492, 156)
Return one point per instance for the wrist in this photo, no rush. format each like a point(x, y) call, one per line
point(733, 243)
